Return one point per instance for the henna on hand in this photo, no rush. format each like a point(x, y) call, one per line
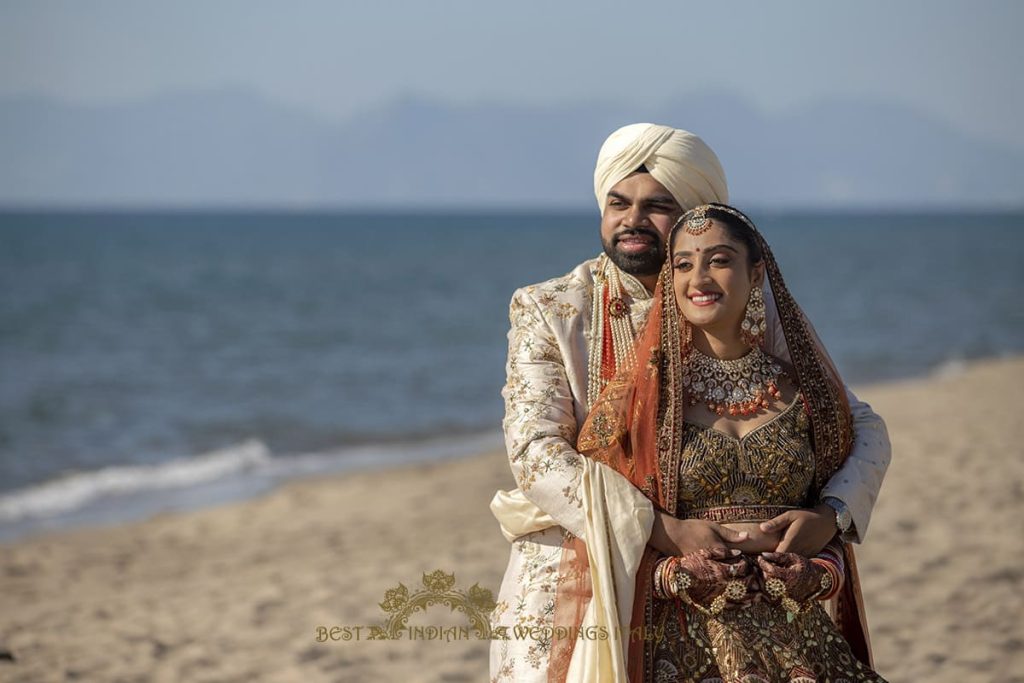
point(709, 571)
point(800, 576)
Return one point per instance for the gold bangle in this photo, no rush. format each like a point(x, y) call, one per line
point(659, 578)
point(665, 572)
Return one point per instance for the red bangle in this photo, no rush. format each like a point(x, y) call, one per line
point(833, 572)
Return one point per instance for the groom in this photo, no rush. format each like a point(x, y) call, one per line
point(569, 334)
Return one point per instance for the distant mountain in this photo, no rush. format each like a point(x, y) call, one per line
point(235, 148)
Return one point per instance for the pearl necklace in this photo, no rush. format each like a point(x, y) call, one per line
point(608, 281)
point(738, 387)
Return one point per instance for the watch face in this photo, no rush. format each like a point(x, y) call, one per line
point(844, 520)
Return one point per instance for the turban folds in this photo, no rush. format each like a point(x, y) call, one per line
point(676, 158)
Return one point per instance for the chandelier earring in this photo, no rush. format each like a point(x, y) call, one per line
point(753, 326)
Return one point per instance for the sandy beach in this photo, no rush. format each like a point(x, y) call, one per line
point(238, 592)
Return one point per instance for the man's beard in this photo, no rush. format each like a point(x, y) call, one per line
point(644, 263)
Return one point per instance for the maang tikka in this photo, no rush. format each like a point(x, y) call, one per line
point(753, 327)
point(698, 222)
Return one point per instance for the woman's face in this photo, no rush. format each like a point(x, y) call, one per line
point(712, 279)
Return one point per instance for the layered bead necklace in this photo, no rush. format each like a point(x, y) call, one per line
point(611, 337)
point(737, 387)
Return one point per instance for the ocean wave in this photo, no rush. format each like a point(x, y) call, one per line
point(949, 368)
point(71, 492)
point(121, 493)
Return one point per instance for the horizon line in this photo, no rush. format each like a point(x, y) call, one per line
point(476, 209)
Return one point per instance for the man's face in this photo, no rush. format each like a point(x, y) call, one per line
point(638, 215)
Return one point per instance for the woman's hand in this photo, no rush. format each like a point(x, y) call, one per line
point(678, 537)
point(800, 576)
point(710, 571)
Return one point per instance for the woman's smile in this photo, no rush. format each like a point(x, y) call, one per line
point(705, 298)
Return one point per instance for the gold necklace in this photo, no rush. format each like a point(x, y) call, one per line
point(738, 387)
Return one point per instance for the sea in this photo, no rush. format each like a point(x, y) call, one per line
point(160, 361)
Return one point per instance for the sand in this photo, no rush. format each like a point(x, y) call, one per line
point(237, 593)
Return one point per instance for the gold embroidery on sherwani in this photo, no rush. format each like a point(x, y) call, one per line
point(545, 404)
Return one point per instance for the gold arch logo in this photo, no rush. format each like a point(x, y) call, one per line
point(437, 588)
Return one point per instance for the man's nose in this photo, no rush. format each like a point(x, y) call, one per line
point(635, 217)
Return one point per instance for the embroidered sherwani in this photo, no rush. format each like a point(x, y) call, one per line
point(545, 407)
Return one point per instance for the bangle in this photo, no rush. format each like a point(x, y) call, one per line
point(664, 579)
point(831, 579)
point(659, 578)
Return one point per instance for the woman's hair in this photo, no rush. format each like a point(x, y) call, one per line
point(736, 223)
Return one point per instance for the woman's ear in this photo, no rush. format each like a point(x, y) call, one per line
point(757, 275)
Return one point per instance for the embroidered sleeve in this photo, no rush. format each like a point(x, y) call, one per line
point(859, 479)
point(540, 423)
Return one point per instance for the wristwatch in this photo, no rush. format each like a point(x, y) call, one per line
point(844, 520)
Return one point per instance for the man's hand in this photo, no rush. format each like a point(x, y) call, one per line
point(806, 531)
point(678, 537)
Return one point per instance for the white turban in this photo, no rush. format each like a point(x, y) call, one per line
point(676, 158)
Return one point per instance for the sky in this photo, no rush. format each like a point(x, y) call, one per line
point(958, 61)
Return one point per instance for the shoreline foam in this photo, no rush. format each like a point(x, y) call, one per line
point(119, 494)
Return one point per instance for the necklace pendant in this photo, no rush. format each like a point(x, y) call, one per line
point(617, 307)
